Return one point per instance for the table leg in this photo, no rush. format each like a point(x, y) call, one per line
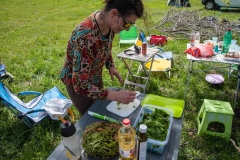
point(229, 71)
point(133, 77)
point(190, 70)
point(237, 90)
point(128, 67)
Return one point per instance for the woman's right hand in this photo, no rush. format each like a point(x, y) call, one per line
point(124, 96)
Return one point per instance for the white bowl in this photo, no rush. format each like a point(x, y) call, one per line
point(210, 42)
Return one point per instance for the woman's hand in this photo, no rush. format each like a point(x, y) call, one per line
point(113, 72)
point(124, 96)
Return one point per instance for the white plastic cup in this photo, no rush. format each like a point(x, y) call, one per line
point(236, 49)
point(233, 42)
point(215, 39)
point(188, 45)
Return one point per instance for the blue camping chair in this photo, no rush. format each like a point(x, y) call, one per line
point(52, 103)
point(33, 111)
point(4, 75)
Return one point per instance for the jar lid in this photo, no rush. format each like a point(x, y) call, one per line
point(126, 121)
point(143, 128)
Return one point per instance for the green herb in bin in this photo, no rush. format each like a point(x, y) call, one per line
point(158, 123)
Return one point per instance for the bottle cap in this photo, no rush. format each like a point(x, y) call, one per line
point(143, 128)
point(126, 121)
point(67, 129)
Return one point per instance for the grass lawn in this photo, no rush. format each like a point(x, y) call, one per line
point(33, 39)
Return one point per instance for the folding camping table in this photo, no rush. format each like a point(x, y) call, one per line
point(142, 59)
point(217, 58)
point(170, 151)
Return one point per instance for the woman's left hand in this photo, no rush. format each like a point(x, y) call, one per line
point(113, 72)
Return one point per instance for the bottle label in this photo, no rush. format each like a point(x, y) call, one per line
point(142, 151)
point(128, 153)
point(72, 147)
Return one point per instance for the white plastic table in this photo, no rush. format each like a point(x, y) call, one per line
point(217, 58)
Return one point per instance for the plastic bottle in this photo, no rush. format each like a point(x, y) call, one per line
point(70, 140)
point(216, 48)
point(227, 41)
point(197, 39)
point(142, 142)
point(126, 138)
point(192, 39)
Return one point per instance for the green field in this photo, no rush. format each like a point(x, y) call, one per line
point(33, 39)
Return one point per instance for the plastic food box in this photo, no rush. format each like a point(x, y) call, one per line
point(154, 146)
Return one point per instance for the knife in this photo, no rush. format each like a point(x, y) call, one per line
point(96, 115)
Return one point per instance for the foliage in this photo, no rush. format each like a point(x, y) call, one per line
point(157, 124)
point(100, 139)
point(33, 38)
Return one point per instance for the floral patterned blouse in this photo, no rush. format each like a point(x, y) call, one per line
point(87, 53)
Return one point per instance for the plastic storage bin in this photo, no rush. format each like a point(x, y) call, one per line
point(154, 146)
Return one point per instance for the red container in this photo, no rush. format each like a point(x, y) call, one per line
point(144, 48)
point(157, 40)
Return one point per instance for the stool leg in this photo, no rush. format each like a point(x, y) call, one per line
point(203, 124)
point(200, 116)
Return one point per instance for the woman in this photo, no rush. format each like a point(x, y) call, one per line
point(89, 49)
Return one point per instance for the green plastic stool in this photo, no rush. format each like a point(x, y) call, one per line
point(215, 111)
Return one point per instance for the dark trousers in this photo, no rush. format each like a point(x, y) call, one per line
point(82, 103)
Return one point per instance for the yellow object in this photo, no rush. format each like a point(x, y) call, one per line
point(138, 43)
point(159, 65)
point(62, 119)
point(71, 114)
point(69, 155)
point(126, 139)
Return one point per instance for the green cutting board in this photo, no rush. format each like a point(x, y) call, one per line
point(176, 105)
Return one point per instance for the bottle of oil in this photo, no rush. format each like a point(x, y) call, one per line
point(126, 138)
point(142, 143)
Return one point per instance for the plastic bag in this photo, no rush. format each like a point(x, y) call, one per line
point(194, 51)
point(202, 50)
point(206, 50)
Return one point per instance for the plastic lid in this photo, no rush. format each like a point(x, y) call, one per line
point(126, 121)
point(229, 29)
point(143, 128)
point(67, 129)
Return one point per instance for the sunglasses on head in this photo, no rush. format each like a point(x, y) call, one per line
point(126, 23)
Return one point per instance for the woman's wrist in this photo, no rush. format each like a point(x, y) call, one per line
point(111, 95)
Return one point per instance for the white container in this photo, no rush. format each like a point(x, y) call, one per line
point(71, 141)
point(153, 145)
point(197, 39)
point(215, 39)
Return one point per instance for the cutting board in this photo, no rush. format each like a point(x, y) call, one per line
point(123, 110)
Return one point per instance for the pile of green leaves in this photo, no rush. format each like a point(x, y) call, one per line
point(157, 124)
point(100, 139)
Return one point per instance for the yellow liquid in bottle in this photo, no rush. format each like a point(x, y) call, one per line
point(126, 138)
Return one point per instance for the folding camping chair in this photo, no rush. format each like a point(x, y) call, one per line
point(35, 110)
point(128, 37)
point(162, 61)
point(52, 103)
point(4, 75)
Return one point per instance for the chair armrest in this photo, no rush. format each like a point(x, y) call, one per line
point(29, 92)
